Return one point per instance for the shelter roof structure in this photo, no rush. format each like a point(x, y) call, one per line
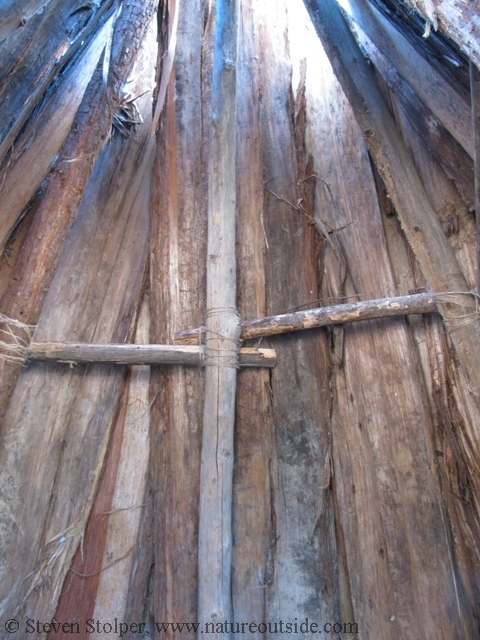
point(240, 351)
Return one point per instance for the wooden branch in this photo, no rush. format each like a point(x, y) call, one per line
point(325, 316)
point(222, 336)
point(80, 352)
point(475, 93)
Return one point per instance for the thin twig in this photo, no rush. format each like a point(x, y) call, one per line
point(108, 566)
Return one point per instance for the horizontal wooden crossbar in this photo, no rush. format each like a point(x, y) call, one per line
point(78, 352)
point(187, 351)
point(323, 316)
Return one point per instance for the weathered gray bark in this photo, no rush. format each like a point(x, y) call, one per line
point(451, 109)
point(456, 162)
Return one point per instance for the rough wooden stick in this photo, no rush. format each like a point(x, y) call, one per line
point(80, 352)
point(475, 93)
point(324, 316)
point(222, 338)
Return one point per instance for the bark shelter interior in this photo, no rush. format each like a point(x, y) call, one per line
point(355, 494)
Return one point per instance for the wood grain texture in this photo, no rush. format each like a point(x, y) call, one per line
point(420, 222)
point(36, 150)
point(326, 316)
point(178, 293)
point(397, 550)
point(222, 334)
point(475, 98)
point(454, 414)
point(93, 296)
point(301, 576)
point(451, 108)
point(252, 508)
point(123, 549)
point(56, 211)
point(58, 31)
point(355, 485)
point(74, 353)
point(458, 19)
point(456, 162)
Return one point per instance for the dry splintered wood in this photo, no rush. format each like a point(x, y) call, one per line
point(135, 354)
point(324, 316)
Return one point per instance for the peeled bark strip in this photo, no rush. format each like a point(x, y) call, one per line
point(97, 585)
point(419, 220)
point(453, 410)
point(56, 212)
point(177, 281)
point(41, 142)
point(46, 494)
point(456, 162)
point(391, 526)
point(58, 32)
point(222, 335)
point(475, 91)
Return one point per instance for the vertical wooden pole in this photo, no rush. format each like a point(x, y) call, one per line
point(475, 97)
point(222, 340)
